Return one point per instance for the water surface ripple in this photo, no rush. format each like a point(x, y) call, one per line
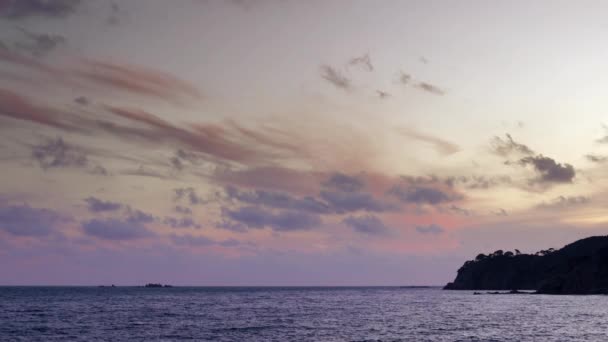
point(294, 314)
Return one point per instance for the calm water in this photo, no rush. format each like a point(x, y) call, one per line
point(295, 314)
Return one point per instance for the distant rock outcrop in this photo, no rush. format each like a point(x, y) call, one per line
point(157, 285)
point(578, 268)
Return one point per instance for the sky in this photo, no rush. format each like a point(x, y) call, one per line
point(280, 142)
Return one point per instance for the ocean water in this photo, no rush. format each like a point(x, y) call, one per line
point(294, 314)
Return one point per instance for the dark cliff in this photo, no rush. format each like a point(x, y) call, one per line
point(578, 268)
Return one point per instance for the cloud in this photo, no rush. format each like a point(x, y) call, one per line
point(257, 218)
point(430, 88)
point(230, 225)
point(200, 241)
point(136, 216)
point(596, 158)
point(184, 222)
point(474, 182)
point(442, 146)
point(604, 139)
point(220, 143)
point(143, 171)
point(458, 210)
point(335, 77)
point(182, 210)
point(276, 141)
point(363, 62)
point(343, 182)
point(344, 202)
point(137, 80)
point(213, 140)
point(99, 170)
point(382, 94)
point(271, 177)
point(82, 100)
point(39, 44)
point(189, 195)
point(15, 106)
point(508, 146)
point(367, 224)
point(116, 229)
point(123, 78)
point(55, 153)
point(564, 202)
point(549, 170)
point(404, 78)
point(430, 229)
point(279, 200)
point(96, 205)
point(18, 9)
point(500, 212)
point(176, 163)
point(192, 240)
point(422, 194)
point(23, 220)
point(480, 182)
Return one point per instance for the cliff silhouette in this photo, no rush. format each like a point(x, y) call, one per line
point(578, 268)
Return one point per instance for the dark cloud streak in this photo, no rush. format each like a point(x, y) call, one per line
point(335, 77)
point(367, 224)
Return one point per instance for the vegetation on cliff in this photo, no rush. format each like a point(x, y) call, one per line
point(578, 268)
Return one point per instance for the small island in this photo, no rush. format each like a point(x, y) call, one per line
point(157, 285)
point(578, 268)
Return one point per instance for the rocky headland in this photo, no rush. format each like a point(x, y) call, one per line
point(578, 268)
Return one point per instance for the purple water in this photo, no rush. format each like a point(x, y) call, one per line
point(294, 314)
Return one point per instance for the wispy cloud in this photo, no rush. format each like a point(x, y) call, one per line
point(604, 139)
point(55, 153)
point(564, 202)
point(203, 241)
point(364, 62)
point(440, 145)
point(367, 224)
point(116, 229)
point(404, 78)
point(258, 218)
point(430, 88)
point(383, 94)
point(183, 222)
point(39, 44)
point(343, 182)
point(278, 200)
point(137, 80)
point(188, 195)
point(345, 202)
point(97, 205)
point(430, 229)
point(143, 171)
point(20, 9)
point(500, 212)
point(24, 220)
point(417, 194)
point(18, 107)
point(507, 147)
point(182, 210)
point(335, 77)
point(596, 158)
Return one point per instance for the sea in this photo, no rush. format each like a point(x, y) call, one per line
point(294, 314)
